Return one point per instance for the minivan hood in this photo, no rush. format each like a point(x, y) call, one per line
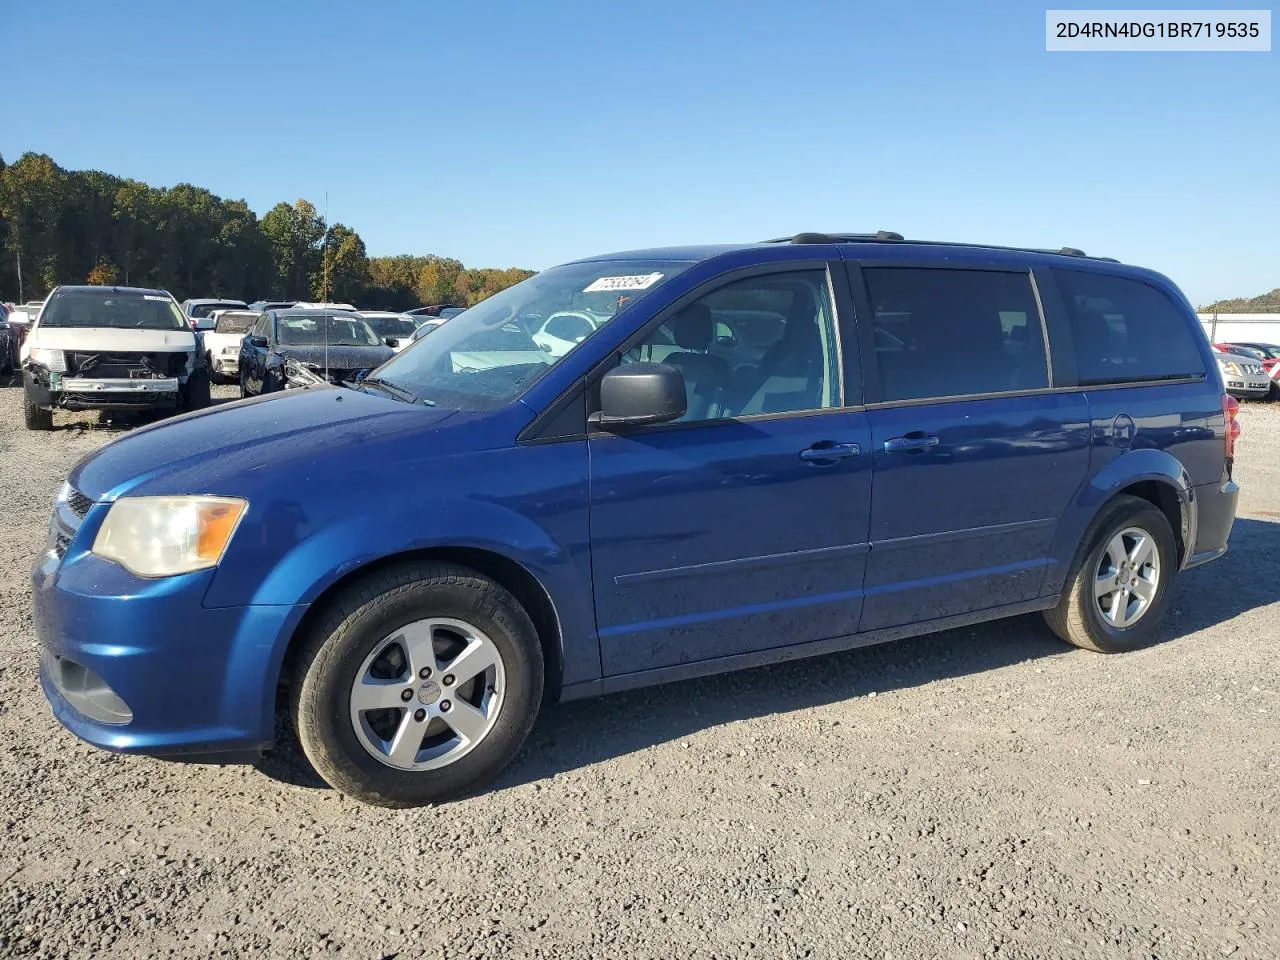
point(201, 452)
point(112, 339)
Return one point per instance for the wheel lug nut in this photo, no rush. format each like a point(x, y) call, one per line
point(406, 695)
point(424, 672)
point(448, 679)
point(445, 705)
point(419, 714)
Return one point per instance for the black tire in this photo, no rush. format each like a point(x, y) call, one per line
point(244, 392)
point(1273, 394)
point(1077, 618)
point(36, 416)
point(196, 395)
point(347, 632)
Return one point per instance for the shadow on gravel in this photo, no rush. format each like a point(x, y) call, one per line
point(573, 735)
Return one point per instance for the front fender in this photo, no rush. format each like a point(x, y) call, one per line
point(338, 549)
point(1133, 466)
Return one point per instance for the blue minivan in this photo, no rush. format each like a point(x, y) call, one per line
point(631, 469)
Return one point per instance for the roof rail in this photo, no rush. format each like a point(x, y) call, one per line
point(889, 236)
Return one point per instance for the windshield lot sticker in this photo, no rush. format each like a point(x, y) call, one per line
point(148, 296)
point(641, 282)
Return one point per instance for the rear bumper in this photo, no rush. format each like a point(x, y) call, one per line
point(1215, 514)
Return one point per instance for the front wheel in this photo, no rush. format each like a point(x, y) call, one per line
point(417, 685)
point(196, 393)
point(1118, 590)
point(36, 416)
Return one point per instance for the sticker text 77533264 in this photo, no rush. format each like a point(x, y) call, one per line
point(605, 284)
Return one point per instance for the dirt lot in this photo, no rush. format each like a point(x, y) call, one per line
point(982, 793)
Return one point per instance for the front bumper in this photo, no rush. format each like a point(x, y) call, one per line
point(193, 681)
point(1250, 389)
point(227, 365)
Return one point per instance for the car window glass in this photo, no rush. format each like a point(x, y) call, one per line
point(1126, 331)
point(947, 333)
point(762, 345)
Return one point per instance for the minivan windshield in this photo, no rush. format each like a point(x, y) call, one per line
point(491, 353)
point(113, 308)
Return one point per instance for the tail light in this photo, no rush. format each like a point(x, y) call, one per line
point(1231, 411)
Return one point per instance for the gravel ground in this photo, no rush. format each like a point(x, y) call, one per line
point(986, 792)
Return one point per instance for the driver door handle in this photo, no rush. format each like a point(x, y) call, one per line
point(828, 451)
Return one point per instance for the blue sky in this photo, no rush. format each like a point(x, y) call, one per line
point(530, 133)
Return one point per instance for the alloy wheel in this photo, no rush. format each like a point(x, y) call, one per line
point(427, 694)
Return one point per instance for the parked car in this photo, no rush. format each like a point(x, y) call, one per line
point(220, 335)
point(195, 310)
point(293, 348)
point(1269, 355)
point(262, 306)
point(305, 305)
point(396, 330)
point(1041, 432)
point(8, 345)
point(442, 310)
point(110, 348)
point(1243, 373)
point(428, 325)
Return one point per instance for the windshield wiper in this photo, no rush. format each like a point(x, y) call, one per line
point(400, 393)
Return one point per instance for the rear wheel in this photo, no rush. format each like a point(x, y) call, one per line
point(1117, 591)
point(418, 685)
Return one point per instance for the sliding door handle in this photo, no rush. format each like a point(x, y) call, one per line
point(912, 441)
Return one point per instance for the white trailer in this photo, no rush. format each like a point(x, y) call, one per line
point(1241, 327)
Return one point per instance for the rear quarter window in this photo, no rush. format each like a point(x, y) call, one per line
point(1125, 331)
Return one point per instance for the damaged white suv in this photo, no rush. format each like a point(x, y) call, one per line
point(110, 348)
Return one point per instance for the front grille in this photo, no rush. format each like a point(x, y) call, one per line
point(77, 502)
point(125, 365)
point(117, 398)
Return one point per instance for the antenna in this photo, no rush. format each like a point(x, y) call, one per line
point(325, 320)
point(326, 247)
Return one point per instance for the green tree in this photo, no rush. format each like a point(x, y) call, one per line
point(295, 233)
point(344, 275)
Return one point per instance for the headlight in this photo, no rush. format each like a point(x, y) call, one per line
point(55, 360)
point(164, 536)
point(1229, 366)
point(300, 374)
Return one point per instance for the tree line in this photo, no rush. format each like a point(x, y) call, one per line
point(1263, 303)
point(85, 226)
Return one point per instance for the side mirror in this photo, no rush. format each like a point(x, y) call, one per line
point(635, 394)
point(391, 342)
point(259, 342)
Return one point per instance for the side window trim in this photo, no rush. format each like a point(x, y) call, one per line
point(873, 385)
point(1061, 344)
